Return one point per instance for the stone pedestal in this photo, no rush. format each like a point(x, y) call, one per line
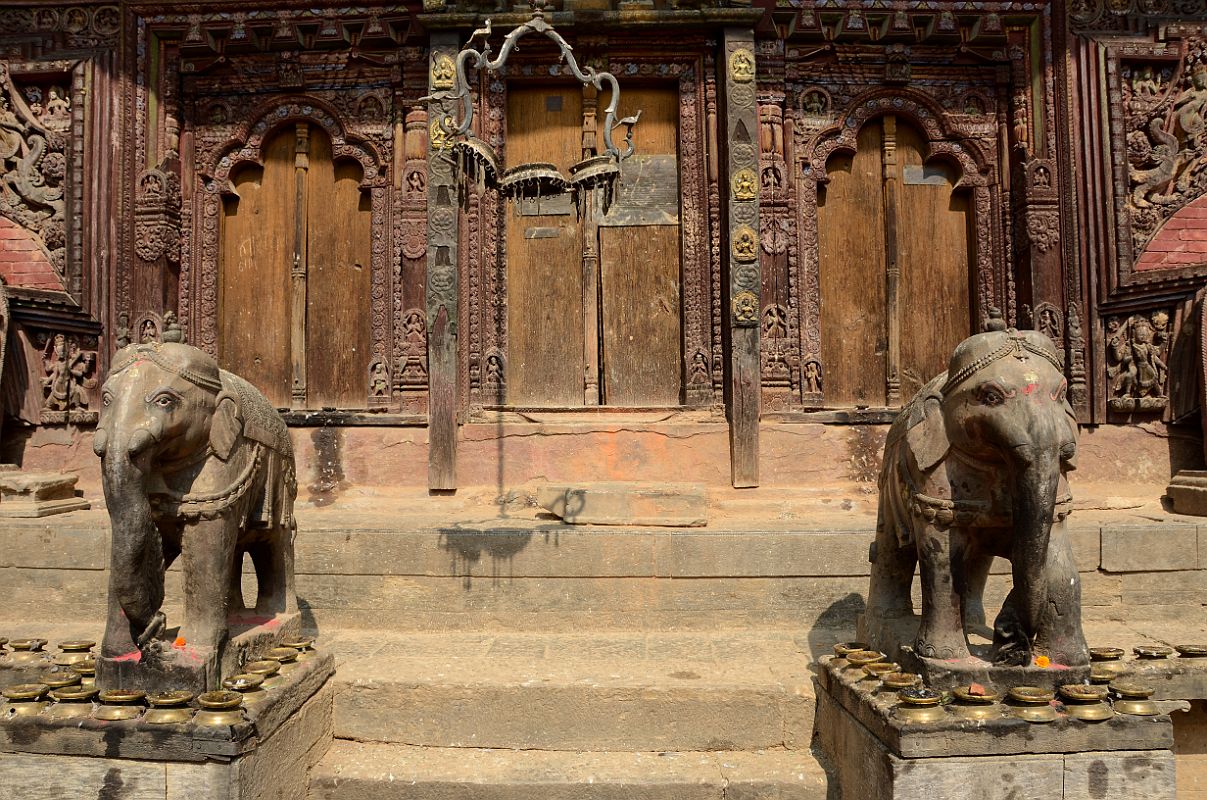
point(874, 754)
point(38, 494)
point(1188, 492)
point(267, 756)
point(195, 670)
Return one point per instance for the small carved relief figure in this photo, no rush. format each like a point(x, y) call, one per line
point(772, 179)
point(741, 66)
point(413, 326)
point(57, 114)
point(379, 380)
point(1048, 322)
point(121, 336)
point(699, 373)
point(1144, 82)
point(1021, 125)
point(68, 376)
point(1190, 104)
point(814, 103)
point(812, 377)
point(1150, 182)
point(744, 187)
point(1042, 178)
point(172, 331)
point(148, 333)
point(494, 371)
point(745, 245)
point(416, 181)
point(974, 106)
point(1135, 364)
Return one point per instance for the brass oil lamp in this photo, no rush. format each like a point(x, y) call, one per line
point(119, 704)
point(919, 704)
point(60, 679)
point(248, 684)
point(71, 702)
point(1152, 652)
point(287, 657)
point(168, 708)
point(268, 669)
point(304, 646)
point(1191, 650)
point(86, 670)
point(1106, 653)
point(1086, 702)
point(896, 681)
point(876, 671)
point(976, 703)
point(24, 700)
point(1134, 699)
point(858, 659)
point(1033, 704)
point(26, 653)
point(72, 651)
point(219, 709)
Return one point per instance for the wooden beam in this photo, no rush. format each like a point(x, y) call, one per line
point(741, 249)
point(442, 275)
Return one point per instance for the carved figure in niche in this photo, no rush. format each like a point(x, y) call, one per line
point(495, 379)
point(172, 332)
point(741, 66)
point(772, 179)
point(1021, 123)
point(745, 244)
point(744, 186)
point(1047, 321)
point(700, 374)
point(1136, 368)
point(1042, 178)
point(416, 182)
point(974, 106)
point(813, 377)
point(198, 465)
point(57, 114)
point(746, 308)
point(218, 115)
point(413, 326)
point(121, 336)
point(148, 332)
point(379, 380)
point(813, 102)
point(1190, 104)
point(1145, 83)
point(68, 376)
point(975, 467)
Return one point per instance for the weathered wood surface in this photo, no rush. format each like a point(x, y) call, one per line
point(1004, 736)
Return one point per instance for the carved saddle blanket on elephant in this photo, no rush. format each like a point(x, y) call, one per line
point(980, 499)
point(261, 469)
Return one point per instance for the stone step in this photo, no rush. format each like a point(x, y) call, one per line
point(740, 690)
point(361, 771)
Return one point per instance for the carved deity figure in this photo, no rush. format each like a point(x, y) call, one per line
point(814, 103)
point(57, 113)
point(1043, 178)
point(494, 370)
point(149, 332)
point(66, 381)
point(121, 335)
point(812, 377)
point(1191, 104)
point(1141, 371)
point(1150, 182)
point(1144, 83)
point(379, 380)
point(700, 372)
point(741, 66)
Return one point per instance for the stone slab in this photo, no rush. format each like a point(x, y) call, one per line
point(623, 503)
point(364, 771)
point(134, 739)
point(278, 769)
point(1154, 548)
point(864, 767)
point(35, 509)
point(1188, 492)
point(1007, 735)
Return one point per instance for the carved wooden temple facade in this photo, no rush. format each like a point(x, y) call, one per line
point(825, 198)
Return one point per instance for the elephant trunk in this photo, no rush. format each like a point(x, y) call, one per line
point(136, 562)
point(1037, 473)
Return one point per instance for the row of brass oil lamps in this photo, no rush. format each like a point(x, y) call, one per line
point(1107, 694)
point(65, 687)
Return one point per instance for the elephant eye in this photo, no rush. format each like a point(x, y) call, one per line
point(991, 395)
point(165, 401)
point(106, 399)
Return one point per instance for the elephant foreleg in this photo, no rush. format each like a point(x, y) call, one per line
point(941, 634)
point(273, 558)
point(208, 548)
point(1060, 634)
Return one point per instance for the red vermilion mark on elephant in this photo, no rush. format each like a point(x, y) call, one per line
point(135, 656)
point(1030, 388)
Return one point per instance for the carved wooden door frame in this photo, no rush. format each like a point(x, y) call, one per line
point(483, 257)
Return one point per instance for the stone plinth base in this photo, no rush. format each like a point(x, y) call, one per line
point(619, 503)
point(197, 671)
point(1188, 492)
point(874, 754)
point(267, 756)
point(38, 494)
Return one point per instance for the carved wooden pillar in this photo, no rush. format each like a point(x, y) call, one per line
point(590, 223)
point(297, 274)
point(892, 264)
point(740, 249)
point(441, 292)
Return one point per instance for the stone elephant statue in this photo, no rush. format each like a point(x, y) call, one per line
point(195, 463)
point(975, 467)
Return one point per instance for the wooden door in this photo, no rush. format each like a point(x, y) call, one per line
point(639, 262)
point(895, 267)
point(544, 254)
point(295, 276)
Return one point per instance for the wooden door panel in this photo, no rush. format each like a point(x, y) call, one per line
point(852, 275)
point(933, 246)
point(257, 251)
point(544, 257)
point(339, 280)
point(639, 263)
point(641, 331)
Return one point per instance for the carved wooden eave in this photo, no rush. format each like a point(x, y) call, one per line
point(910, 23)
point(626, 19)
point(50, 310)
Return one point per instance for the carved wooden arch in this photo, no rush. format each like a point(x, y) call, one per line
point(944, 140)
point(246, 147)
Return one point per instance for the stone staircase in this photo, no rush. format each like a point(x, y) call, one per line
point(493, 652)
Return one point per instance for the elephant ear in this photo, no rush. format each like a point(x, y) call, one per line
point(927, 435)
point(1070, 460)
point(226, 426)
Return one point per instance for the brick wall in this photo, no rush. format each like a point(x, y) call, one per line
point(1182, 241)
point(22, 262)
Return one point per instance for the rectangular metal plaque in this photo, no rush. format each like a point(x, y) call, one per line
point(915, 175)
point(647, 192)
point(557, 205)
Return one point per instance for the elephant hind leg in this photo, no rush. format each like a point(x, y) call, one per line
point(892, 576)
point(273, 558)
